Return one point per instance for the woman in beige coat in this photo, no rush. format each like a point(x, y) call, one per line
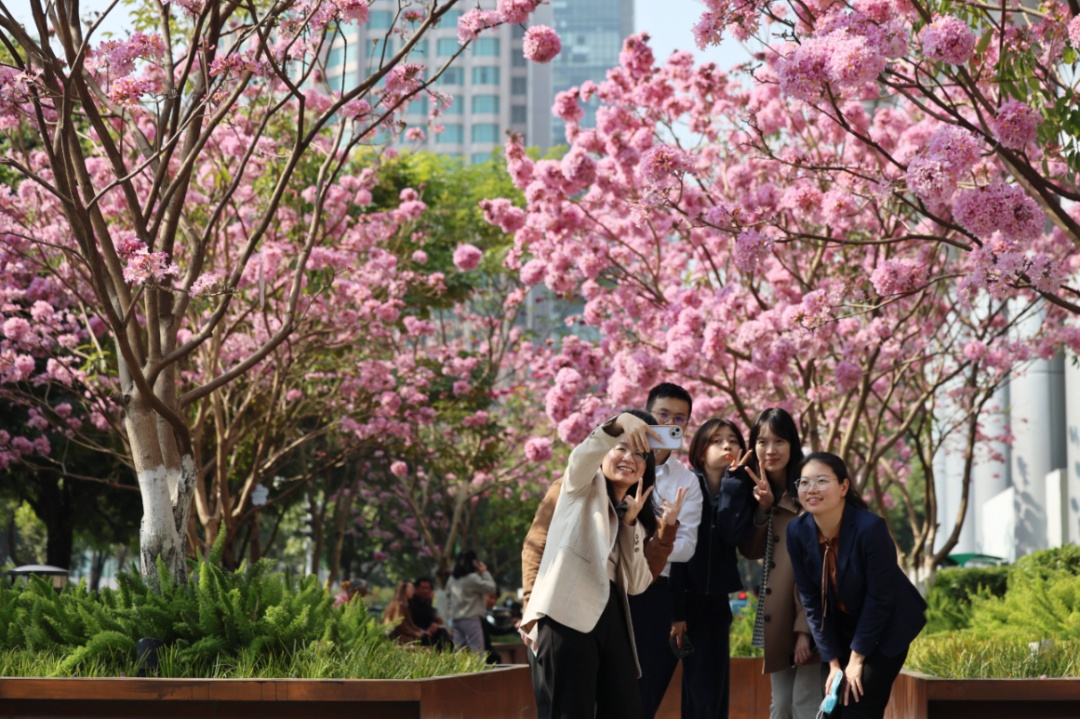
point(781, 627)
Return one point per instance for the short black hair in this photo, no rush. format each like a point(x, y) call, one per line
point(420, 580)
point(669, 389)
point(700, 442)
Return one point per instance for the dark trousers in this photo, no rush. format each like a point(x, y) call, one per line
point(590, 674)
point(540, 690)
point(705, 682)
point(878, 674)
point(651, 613)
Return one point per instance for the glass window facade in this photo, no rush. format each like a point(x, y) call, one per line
point(519, 86)
point(485, 103)
point(486, 47)
point(452, 133)
point(519, 114)
point(452, 76)
point(485, 132)
point(446, 46)
point(485, 75)
point(380, 20)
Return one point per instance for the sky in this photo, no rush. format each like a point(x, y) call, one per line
point(670, 24)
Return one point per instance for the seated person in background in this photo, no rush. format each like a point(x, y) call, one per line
point(490, 601)
point(397, 613)
point(424, 615)
point(349, 589)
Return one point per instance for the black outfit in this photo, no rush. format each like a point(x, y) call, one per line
point(605, 653)
point(873, 608)
point(423, 616)
point(651, 613)
point(700, 589)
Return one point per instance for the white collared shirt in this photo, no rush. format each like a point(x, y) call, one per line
point(671, 475)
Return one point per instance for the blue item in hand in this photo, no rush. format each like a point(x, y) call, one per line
point(829, 702)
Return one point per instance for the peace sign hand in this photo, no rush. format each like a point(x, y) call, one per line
point(762, 489)
point(635, 504)
point(670, 510)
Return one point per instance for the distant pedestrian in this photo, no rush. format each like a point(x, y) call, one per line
point(468, 584)
point(863, 610)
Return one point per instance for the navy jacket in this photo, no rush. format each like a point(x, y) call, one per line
point(887, 609)
point(726, 520)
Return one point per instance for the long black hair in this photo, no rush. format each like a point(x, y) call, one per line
point(647, 516)
point(839, 468)
point(465, 564)
point(700, 443)
point(782, 425)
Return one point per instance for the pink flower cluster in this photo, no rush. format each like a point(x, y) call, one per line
point(934, 173)
point(353, 10)
point(474, 21)
point(121, 55)
point(541, 44)
point(998, 207)
point(662, 165)
point(1015, 125)
point(751, 249)
point(538, 449)
point(129, 91)
point(143, 266)
point(502, 212)
point(467, 257)
point(516, 12)
point(894, 277)
point(1074, 32)
point(948, 39)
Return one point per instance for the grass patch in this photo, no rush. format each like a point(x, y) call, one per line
point(963, 656)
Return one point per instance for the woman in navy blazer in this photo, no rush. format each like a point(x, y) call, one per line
point(862, 609)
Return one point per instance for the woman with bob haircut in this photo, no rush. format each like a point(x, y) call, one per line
point(863, 610)
point(578, 617)
point(701, 586)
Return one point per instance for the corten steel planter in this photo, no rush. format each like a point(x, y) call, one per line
point(751, 691)
point(502, 693)
point(920, 696)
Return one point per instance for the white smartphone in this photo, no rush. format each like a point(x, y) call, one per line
point(670, 436)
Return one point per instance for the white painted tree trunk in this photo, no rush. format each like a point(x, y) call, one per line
point(166, 480)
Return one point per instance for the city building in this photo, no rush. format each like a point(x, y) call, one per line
point(495, 89)
point(592, 33)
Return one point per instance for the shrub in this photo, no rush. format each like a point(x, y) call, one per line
point(966, 656)
point(252, 622)
point(951, 600)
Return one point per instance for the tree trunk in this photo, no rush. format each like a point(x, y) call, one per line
point(166, 480)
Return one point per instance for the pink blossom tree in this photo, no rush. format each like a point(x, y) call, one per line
point(188, 189)
point(718, 235)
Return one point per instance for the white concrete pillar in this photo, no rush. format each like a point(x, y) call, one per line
point(1072, 451)
point(1038, 425)
point(990, 470)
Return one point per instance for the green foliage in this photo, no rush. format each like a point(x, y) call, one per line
point(742, 632)
point(951, 601)
point(252, 622)
point(1036, 608)
point(966, 656)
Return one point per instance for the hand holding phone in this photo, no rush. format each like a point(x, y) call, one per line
point(670, 436)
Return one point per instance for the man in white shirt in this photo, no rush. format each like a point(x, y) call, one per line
point(652, 611)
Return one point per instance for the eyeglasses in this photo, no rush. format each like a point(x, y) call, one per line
point(665, 417)
point(820, 482)
point(624, 451)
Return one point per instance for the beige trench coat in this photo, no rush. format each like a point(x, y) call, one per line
point(784, 614)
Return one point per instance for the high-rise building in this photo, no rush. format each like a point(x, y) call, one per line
point(592, 33)
point(495, 89)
